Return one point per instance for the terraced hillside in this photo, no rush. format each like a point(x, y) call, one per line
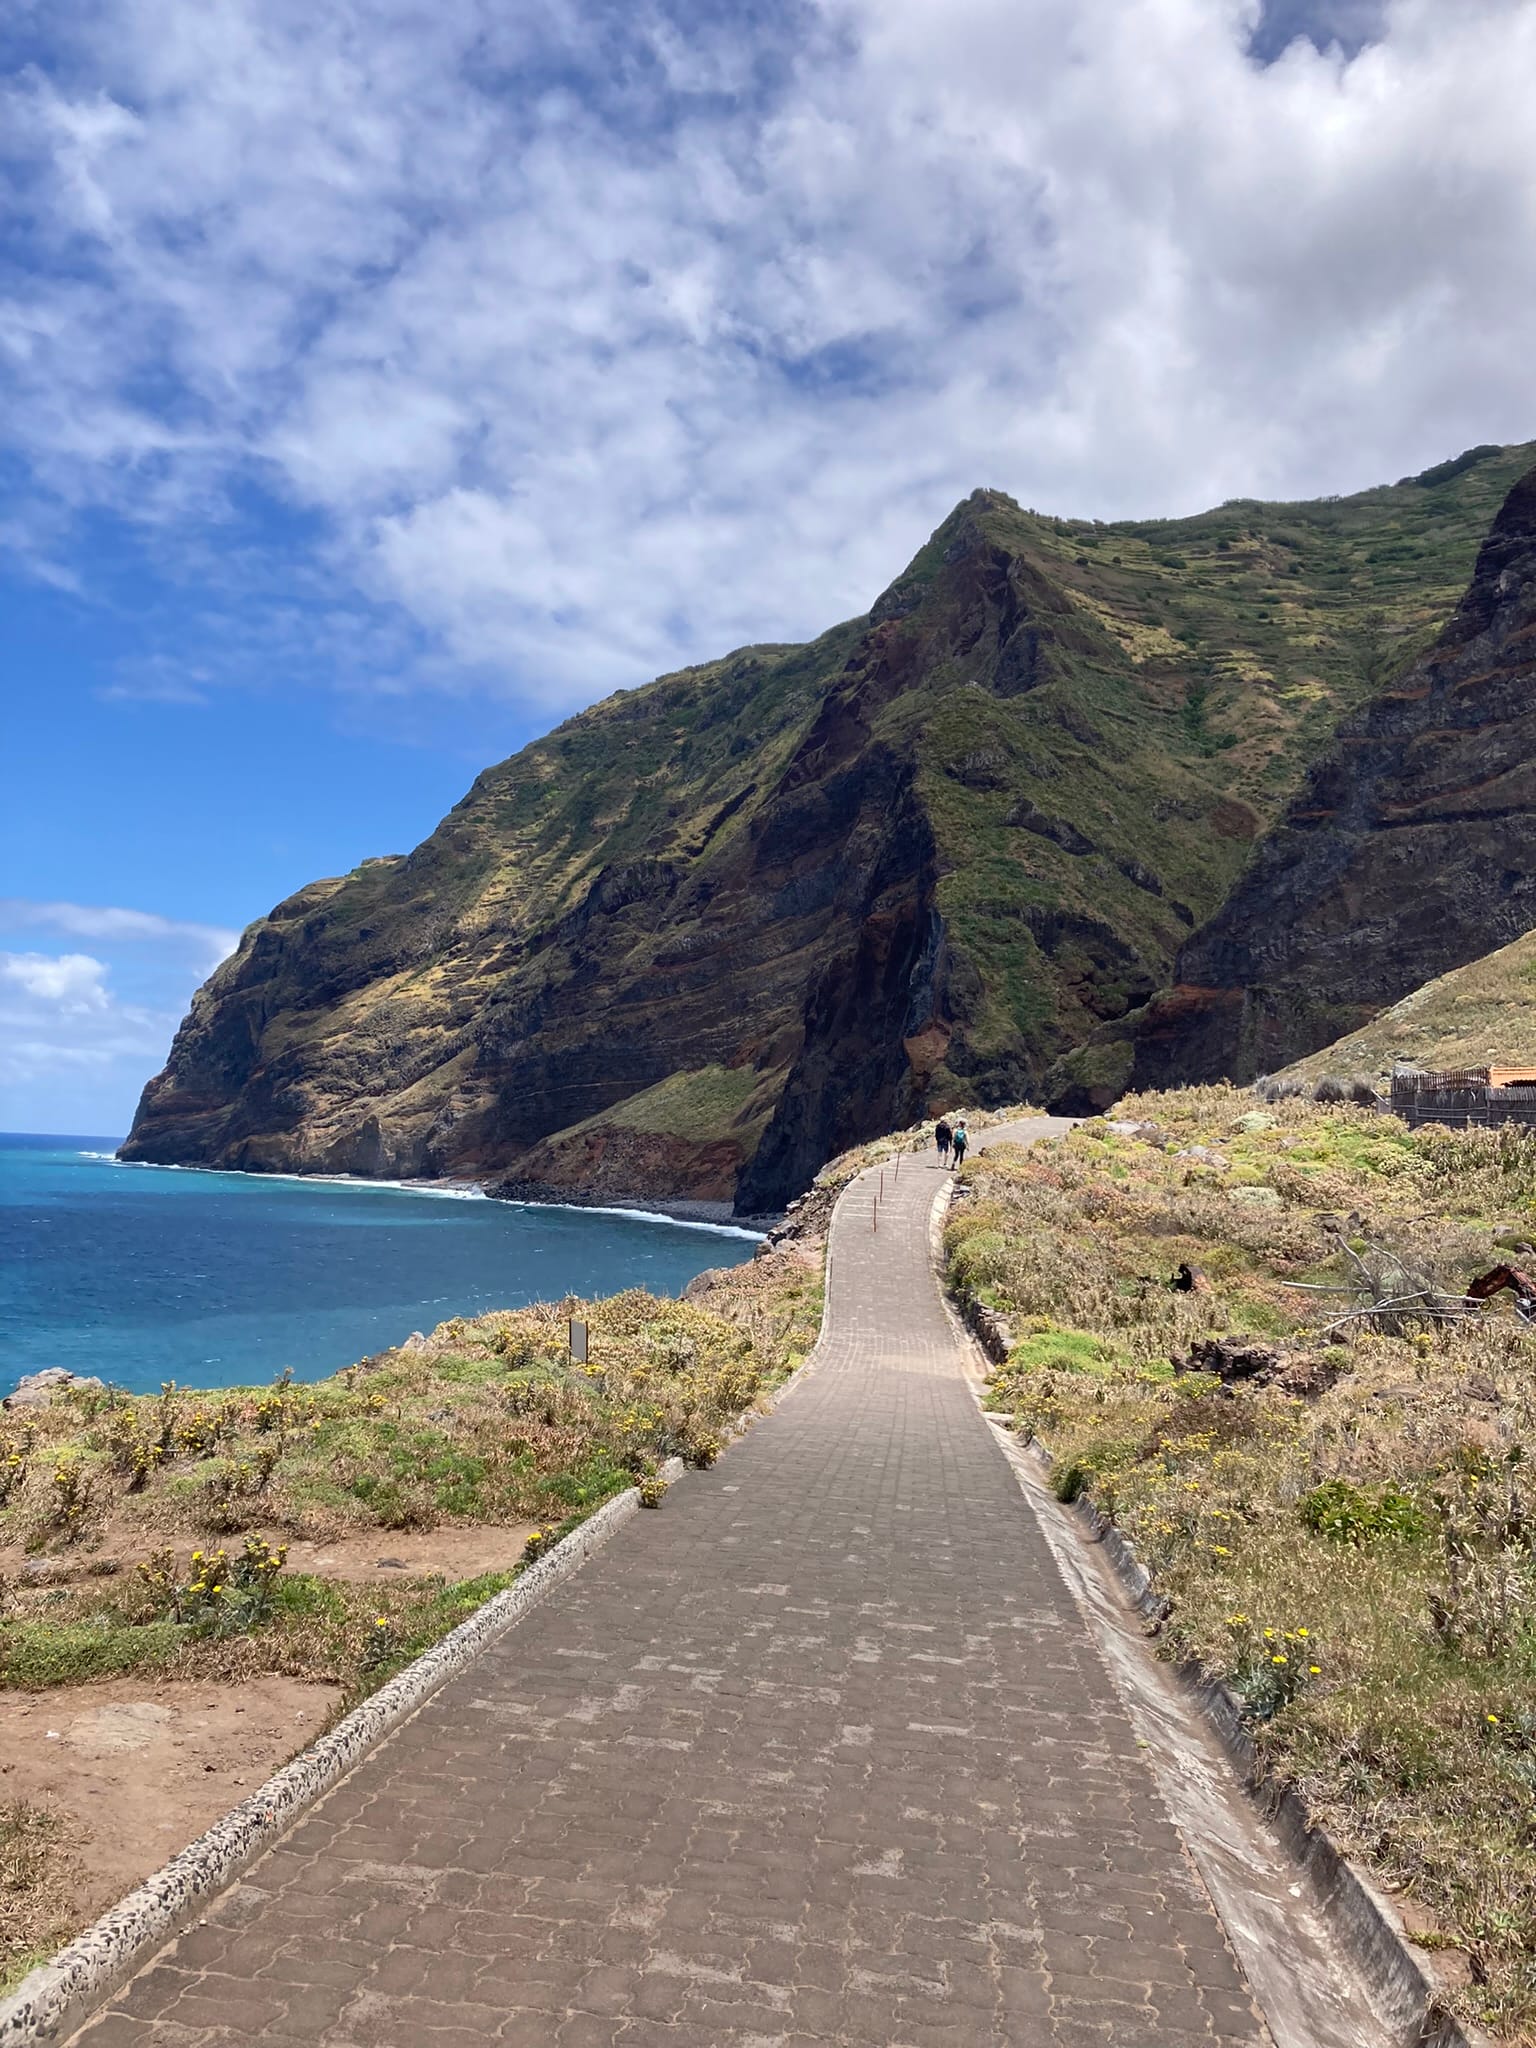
point(711, 931)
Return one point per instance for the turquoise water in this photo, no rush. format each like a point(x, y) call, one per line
point(148, 1273)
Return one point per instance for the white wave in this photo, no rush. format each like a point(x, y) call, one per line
point(644, 1216)
point(441, 1191)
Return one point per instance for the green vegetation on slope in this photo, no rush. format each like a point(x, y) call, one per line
point(708, 1103)
point(1350, 1545)
point(1482, 1015)
point(1264, 621)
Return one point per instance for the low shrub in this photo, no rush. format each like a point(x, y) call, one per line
point(1345, 1513)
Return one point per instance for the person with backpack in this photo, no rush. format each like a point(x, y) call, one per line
point(943, 1137)
point(959, 1140)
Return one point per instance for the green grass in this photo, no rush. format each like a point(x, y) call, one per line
point(707, 1103)
point(36, 1655)
point(1062, 1351)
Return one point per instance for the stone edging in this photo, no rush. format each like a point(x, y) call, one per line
point(1360, 1915)
point(58, 1996)
point(993, 1332)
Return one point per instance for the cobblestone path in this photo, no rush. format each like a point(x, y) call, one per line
point(823, 1752)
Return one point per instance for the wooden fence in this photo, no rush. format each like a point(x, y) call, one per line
point(1464, 1095)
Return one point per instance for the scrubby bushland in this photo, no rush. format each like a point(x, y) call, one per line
point(487, 1421)
point(1347, 1533)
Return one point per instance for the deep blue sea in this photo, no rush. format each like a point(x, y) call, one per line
point(148, 1273)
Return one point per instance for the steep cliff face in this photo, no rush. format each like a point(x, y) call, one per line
point(1410, 850)
point(712, 930)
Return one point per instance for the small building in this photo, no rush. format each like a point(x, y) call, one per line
point(1464, 1095)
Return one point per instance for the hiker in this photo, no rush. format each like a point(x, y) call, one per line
point(959, 1139)
point(943, 1137)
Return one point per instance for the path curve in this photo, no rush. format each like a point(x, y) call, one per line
point(825, 1752)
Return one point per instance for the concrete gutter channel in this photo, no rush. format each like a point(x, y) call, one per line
point(58, 1997)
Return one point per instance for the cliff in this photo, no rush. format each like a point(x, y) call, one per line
point(713, 930)
point(1409, 851)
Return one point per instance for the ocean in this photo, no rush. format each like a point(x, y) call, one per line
point(141, 1274)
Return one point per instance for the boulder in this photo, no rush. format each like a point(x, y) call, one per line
point(1237, 1357)
point(1231, 1358)
point(37, 1389)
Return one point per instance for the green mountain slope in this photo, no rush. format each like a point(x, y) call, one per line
point(1410, 850)
point(710, 931)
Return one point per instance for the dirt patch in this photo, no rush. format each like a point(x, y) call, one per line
point(356, 1555)
point(452, 1554)
point(134, 1770)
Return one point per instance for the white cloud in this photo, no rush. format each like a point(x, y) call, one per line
point(71, 983)
point(100, 921)
point(79, 1030)
point(61, 1022)
point(602, 340)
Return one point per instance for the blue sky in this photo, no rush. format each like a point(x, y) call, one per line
point(382, 383)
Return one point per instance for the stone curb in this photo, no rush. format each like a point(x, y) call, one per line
point(1363, 1918)
point(58, 1996)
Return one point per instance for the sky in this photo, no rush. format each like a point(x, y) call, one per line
point(384, 381)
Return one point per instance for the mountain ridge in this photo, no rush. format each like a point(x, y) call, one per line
point(707, 932)
point(1479, 1015)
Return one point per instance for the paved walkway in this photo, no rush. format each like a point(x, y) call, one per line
point(823, 1752)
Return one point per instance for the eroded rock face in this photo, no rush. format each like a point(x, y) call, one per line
point(1410, 851)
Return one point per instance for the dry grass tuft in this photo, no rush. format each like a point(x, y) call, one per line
point(34, 1887)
